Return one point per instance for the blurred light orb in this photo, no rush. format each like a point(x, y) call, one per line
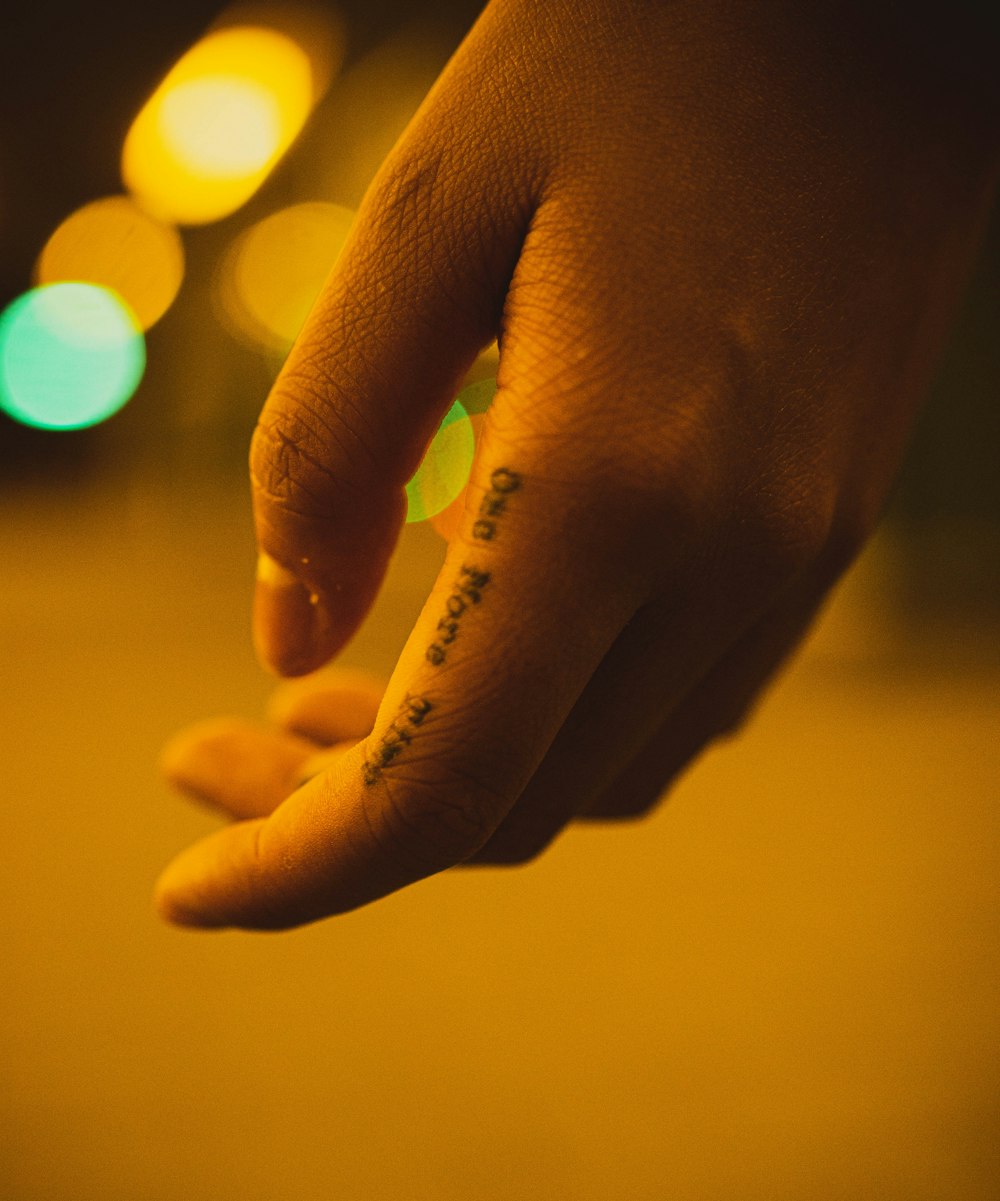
point(212, 131)
point(221, 127)
point(275, 270)
point(319, 27)
point(113, 243)
point(444, 470)
point(475, 397)
point(446, 523)
point(71, 354)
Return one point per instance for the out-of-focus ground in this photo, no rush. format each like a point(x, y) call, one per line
point(783, 985)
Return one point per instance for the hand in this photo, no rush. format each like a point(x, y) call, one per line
point(246, 769)
point(720, 245)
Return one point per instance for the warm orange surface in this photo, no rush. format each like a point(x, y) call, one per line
point(782, 987)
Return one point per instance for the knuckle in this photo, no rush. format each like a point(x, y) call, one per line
point(666, 474)
point(808, 531)
point(673, 470)
point(786, 529)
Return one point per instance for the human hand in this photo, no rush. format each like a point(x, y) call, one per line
point(246, 769)
point(720, 252)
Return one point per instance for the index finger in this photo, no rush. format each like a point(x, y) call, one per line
point(479, 693)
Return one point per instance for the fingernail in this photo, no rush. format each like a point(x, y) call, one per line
point(288, 619)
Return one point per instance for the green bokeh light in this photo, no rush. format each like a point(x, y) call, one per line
point(444, 471)
point(71, 354)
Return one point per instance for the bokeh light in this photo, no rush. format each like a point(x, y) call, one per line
point(112, 242)
point(317, 26)
point(444, 470)
point(275, 270)
point(71, 354)
point(446, 522)
point(212, 131)
point(475, 397)
point(222, 127)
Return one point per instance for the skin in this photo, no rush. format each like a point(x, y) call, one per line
point(720, 244)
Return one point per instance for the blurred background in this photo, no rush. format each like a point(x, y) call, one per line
point(784, 984)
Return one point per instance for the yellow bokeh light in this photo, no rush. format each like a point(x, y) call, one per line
point(114, 244)
point(215, 127)
point(275, 270)
point(220, 127)
point(318, 26)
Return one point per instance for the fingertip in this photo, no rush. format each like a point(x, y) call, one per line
point(192, 891)
point(291, 625)
point(173, 759)
point(171, 905)
point(182, 760)
point(175, 915)
point(222, 882)
point(328, 706)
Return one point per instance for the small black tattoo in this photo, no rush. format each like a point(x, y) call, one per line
point(397, 737)
point(415, 708)
point(505, 480)
point(502, 483)
point(468, 590)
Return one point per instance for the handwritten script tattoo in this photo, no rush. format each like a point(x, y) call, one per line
point(468, 590)
point(502, 483)
point(397, 737)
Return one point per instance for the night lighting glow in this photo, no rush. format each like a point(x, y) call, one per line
point(212, 131)
point(221, 127)
point(447, 522)
point(112, 242)
point(475, 397)
point(71, 354)
point(274, 271)
point(444, 470)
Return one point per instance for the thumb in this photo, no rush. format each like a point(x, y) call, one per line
point(416, 294)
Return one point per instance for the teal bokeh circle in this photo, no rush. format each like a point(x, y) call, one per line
point(71, 354)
